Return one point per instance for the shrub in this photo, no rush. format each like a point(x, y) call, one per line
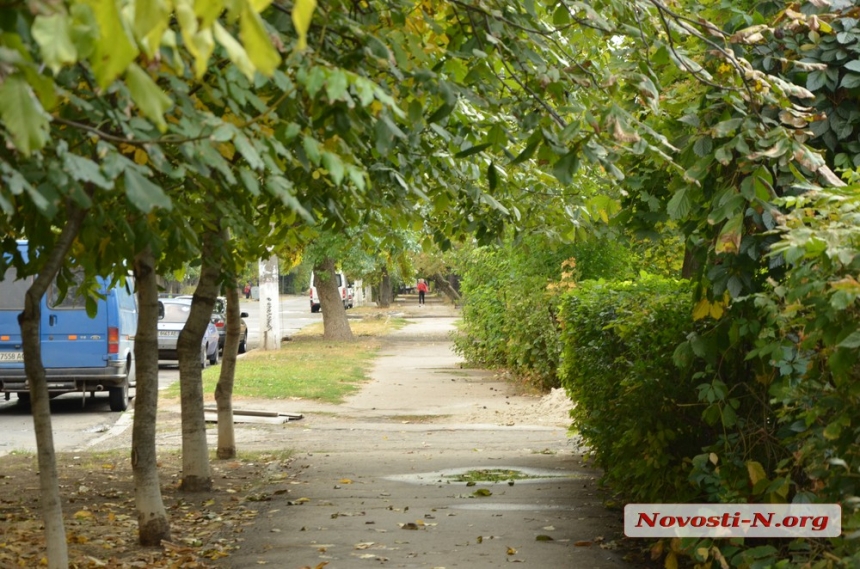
point(635, 409)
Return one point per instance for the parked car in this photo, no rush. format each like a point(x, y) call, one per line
point(172, 315)
point(219, 319)
point(79, 353)
point(342, 286)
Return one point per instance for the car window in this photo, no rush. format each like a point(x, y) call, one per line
point(175, 312)
point(12, 292)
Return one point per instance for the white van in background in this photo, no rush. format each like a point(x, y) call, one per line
point(342, 289)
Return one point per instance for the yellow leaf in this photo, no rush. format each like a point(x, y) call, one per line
point(82, 514)
point(226, 149)
point(702, 309)
point(345, 481)
point(756, 472)
point(257, 43)
point(671, 561)
point(512, 551)
point(713, 458)
point(142, 158)
point(303, 10)
point(716, 310)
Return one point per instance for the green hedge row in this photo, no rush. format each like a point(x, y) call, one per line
point(635, 408)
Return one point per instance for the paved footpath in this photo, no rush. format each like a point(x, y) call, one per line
point(375, 488)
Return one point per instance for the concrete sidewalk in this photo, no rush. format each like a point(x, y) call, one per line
point(373, 478)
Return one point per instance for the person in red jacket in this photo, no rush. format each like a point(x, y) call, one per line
point(422, 289)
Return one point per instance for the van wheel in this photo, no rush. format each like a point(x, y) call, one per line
point(24, 398)
point(315, 309)
point(243, 343)
point(119, 397)
point(214, 359)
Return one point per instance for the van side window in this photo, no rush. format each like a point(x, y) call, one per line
point(12, 291)
point(72, 300)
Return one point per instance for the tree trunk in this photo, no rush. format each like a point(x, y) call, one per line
point(152, 521)
point(224, 389)
point(386, 292)
point(29, 320)
point(443, 285)
point(335, 324)
point(691, 266)
point(196, 472)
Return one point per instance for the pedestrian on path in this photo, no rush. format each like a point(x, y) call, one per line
point(247, 291)
point(422, 289)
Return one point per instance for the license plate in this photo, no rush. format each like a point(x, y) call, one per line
point(168, 333)
point(11, 356)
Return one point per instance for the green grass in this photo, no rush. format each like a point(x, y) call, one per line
point(307, 368)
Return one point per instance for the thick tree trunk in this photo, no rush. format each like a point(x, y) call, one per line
point(335, 324)
point(152, 521)
point(29, 320)
point(196, 472)
point(224, 389)
point(386, 292)
point(443, 285)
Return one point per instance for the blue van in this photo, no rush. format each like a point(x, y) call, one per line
point(79, 353)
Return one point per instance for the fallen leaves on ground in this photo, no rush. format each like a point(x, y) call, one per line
point(101, 520)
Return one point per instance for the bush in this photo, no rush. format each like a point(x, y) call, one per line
point(636, 410)
point(510, 311)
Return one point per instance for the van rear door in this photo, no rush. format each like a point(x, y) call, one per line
point(12, 293)
point(70, 338)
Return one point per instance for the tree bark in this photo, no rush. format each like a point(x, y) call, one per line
point(153, 523)
point(335, 324)
point(224, 389)
point(386, 292)
point(196, 471)
point(29, 320)
point(443, 285)
point(691, 266)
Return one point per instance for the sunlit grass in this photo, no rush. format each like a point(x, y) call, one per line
point(306, 367)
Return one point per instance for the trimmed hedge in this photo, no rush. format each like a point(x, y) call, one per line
point(636, 410)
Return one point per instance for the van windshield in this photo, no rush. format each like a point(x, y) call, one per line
point(12, 291)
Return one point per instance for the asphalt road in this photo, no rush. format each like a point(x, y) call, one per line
point(76, 421)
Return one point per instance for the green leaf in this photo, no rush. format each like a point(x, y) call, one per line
point(114, 50)
point(53, 34)
point(852, 66)
point(257, 42)
point(248, 152)
point(336, 85)
point(850, 81)
point(680, 204)
point(83, 169)
point(334, 165)
point(492, 176)
point(23, 115)
point(439, 114)
point(527, 152)
point(565, 167)
point(143, 194)
point(151, 100)
point(312, 149)
point(852, 341)
point(816, 80)
point(249, 179)
point(472, 150)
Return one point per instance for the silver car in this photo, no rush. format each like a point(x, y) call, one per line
point(173, 314)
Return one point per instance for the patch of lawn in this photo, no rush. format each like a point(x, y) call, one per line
point(307, 367)
point(372, 325)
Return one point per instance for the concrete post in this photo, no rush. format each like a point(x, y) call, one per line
point(270, 305)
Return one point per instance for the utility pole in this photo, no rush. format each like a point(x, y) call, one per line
point(270, 305)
